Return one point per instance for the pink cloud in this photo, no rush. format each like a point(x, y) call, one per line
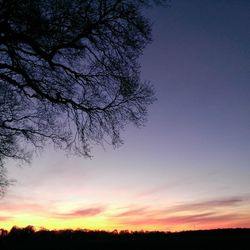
point(21, 207)
point(194, 207)
point(5, 218)
point(132, 212)
point(210, 204)
point(201, 220)
point(202, 214)
point(88, 212)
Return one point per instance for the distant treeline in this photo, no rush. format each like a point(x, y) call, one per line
point(28, 238)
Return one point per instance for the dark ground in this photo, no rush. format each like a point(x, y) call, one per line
point(220, 239)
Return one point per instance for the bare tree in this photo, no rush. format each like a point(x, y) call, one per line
point(69, 73)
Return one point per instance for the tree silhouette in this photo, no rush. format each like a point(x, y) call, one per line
point(69, 73)
point(29, 238)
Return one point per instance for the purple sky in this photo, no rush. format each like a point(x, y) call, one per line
point(193, 155)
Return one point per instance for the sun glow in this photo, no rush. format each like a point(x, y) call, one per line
point(99, 218)
point(93, 223)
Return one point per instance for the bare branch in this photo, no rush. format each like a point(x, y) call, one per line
point(69, 74)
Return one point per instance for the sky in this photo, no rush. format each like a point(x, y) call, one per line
point(188, 168)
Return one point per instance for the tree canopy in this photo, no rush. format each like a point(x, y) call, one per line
point(69, 74)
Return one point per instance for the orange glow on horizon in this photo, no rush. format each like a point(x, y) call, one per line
point(109, 224)
point(207, 214)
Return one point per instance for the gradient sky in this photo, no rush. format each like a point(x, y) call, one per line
point(189, 167)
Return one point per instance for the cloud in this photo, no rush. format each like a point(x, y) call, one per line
point(211, 214)
point(80, 213)
point(132, 212)
point(156, 190)
point(211, 204)
point(203, 220)
point(21, 207)
point(5, 218)
point(192, 208)
point(165, 187)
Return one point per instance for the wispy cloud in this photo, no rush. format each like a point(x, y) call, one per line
point(156, 190)
point(191, 207)
point(5, 218)
point(166, 187)
point(211, 204)
point(204, 219)
point(21, 207)
point(132, 212)
point(214, 213)
point(80, 213)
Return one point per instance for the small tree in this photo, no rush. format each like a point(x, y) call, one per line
point(69, 73)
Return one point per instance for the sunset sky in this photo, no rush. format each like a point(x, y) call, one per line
point(189, 167)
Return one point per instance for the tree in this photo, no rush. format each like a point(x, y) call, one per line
point(69, 74)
